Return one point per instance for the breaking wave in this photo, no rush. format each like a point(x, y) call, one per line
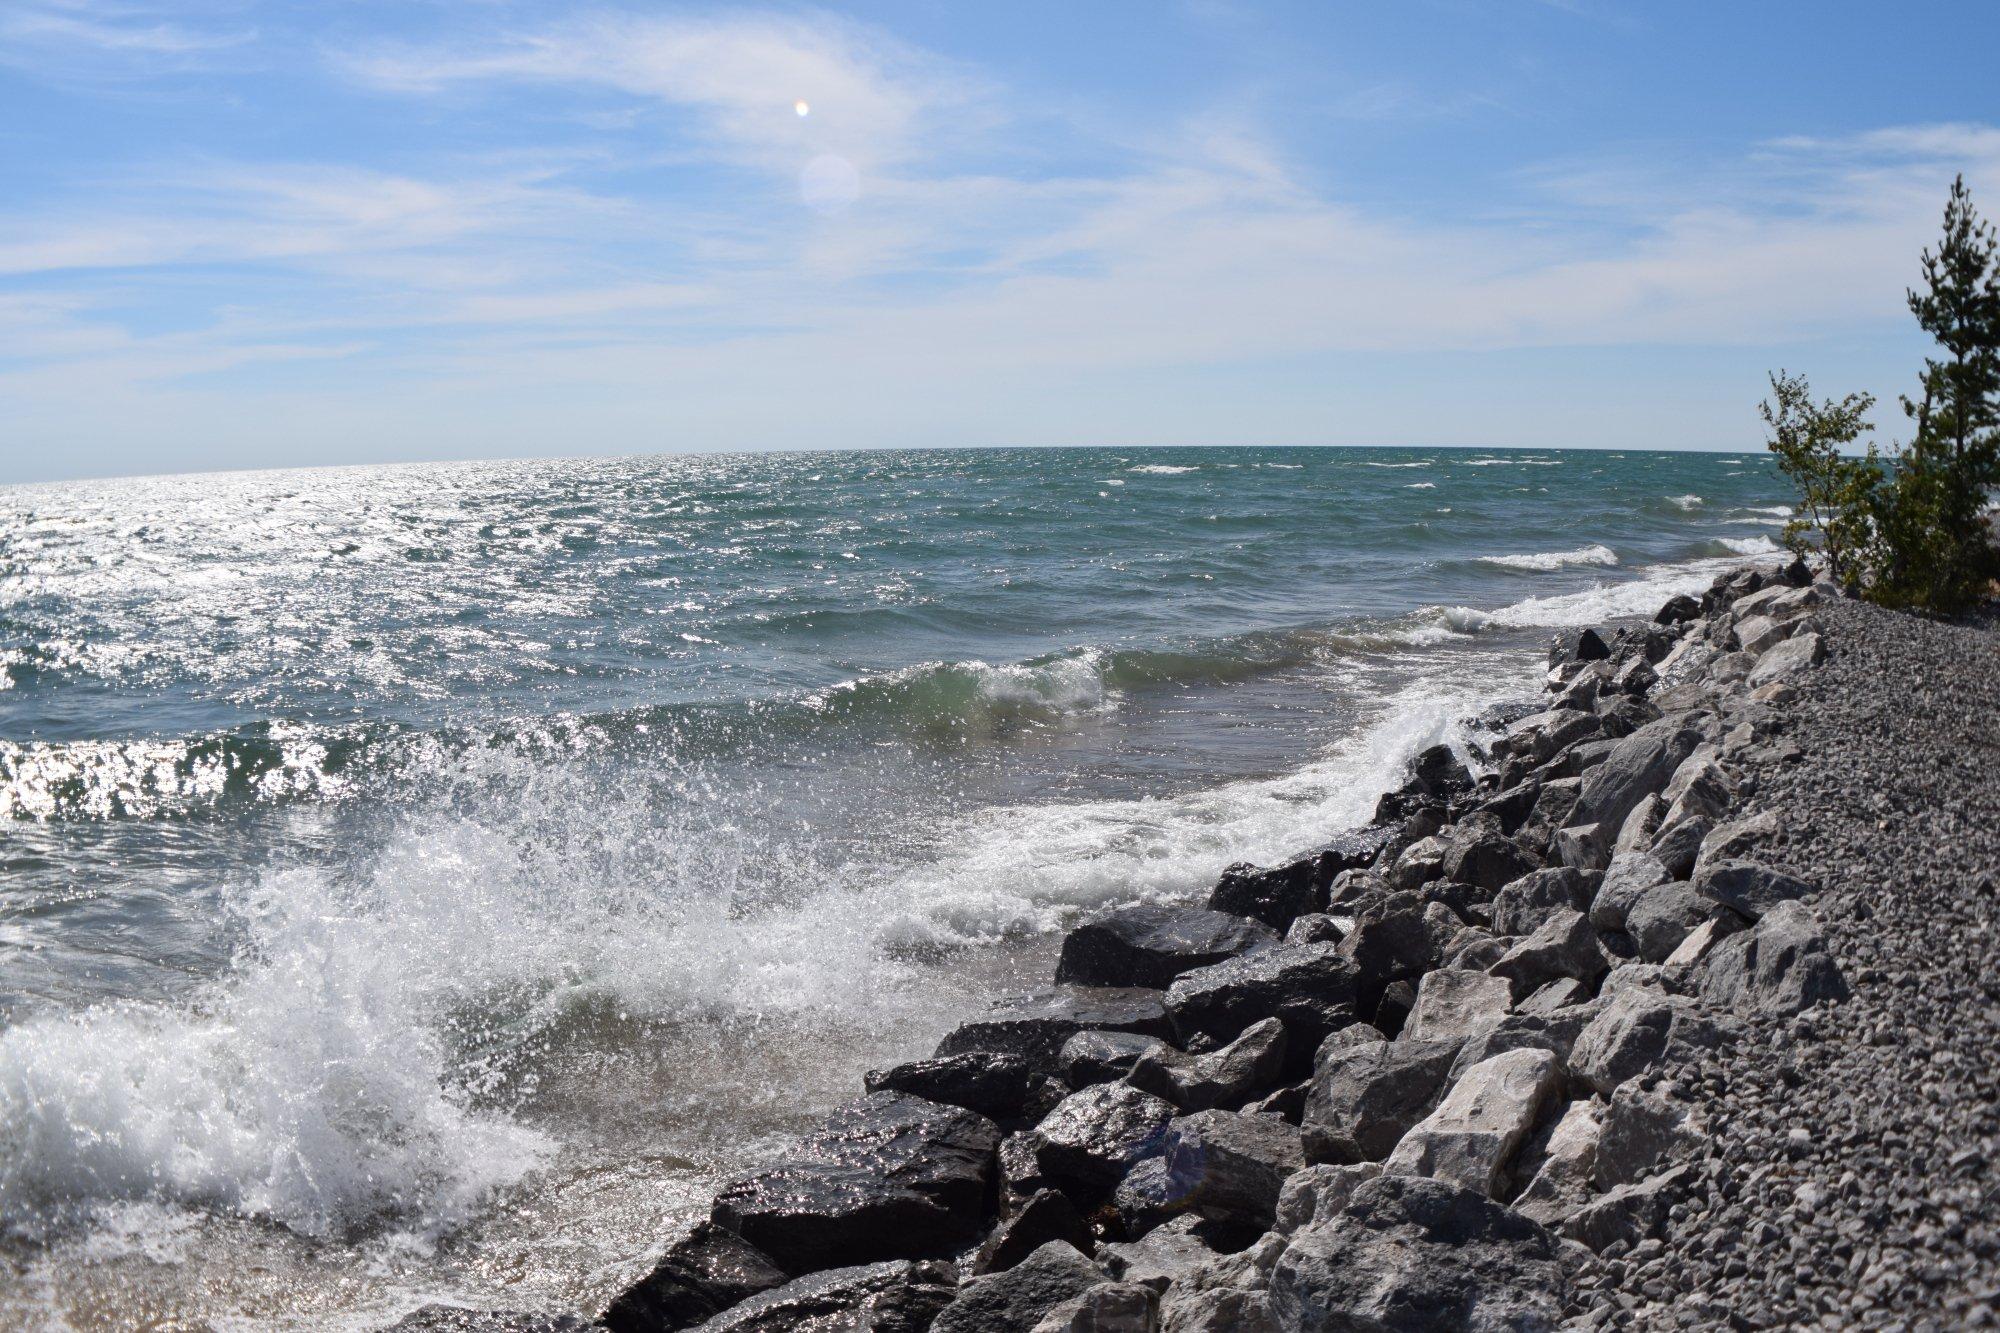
point(1582, 555)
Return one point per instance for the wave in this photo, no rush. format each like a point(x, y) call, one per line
point(1546, 560)
point(1421, 486)
point(353, 1069)
point(1746, 545)
point(1685, 501)
point(1162, 469)
point(1514, 462)
point(1395, 465)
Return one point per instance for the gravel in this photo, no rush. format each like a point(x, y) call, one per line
point(1851, 1174)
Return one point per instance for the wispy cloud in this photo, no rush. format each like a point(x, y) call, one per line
point(60, 39)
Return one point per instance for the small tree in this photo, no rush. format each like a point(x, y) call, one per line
point(1834, 489)
point(1937, 553)
point(1912, 533)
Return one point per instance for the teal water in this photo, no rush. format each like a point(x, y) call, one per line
point(423, 879)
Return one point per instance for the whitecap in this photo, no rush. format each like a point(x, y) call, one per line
point(1544, 560)
point(1685, 501)
point(1160, 469)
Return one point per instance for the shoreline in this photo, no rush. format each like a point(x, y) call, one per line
point(1510, 1055)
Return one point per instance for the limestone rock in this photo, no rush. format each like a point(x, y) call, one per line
point(1470, 1139)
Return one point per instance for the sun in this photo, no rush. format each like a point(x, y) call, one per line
point(802, 109)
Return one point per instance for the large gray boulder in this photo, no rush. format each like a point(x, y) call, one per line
point(1664, 915)
point(1471, 1138)
point(1787, 659)
point(1627, 879)
point(1365, 1097)
point(1453, 1003)
point(1636, 767)
point(1640, 1028)
point(1318, 1193)
point(1779, 968)
point(1101, 1057)
point(1419, 1256)
point(1022, 1296)
point(1563, 946)
point(1109, 1307)
point(1094, 1136)
point(887, 1177)
point(1152, 944)
point(1230, 1166)
point(1746, 888)
point(1525, 903)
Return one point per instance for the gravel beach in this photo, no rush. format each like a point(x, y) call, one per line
point(1850, 1177)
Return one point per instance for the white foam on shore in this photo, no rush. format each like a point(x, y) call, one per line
point(1582, 555)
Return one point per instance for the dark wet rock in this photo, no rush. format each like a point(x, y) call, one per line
point(1419, 1256)
point(1577, 645)
point(1746, 888)
point(700, 1275)
point(1004, 1088)
point(1365, 1097)
point(1279, 895)
point(1525, 903)
point(1438, 771)
point(1152, 944)
point(891, 1297)
point(1622, 714)
point(457, 1319)
point(1089, 1141)
point(1017, 1299)
point(1487, 861)
point(1228, 1077)
point(1048, 1215)
point(1562, 946)
point(1779, 968)
point(1311, 988)
point(1314, 928)
point(1036, 1026)
point(1229, 1166)
point(1677, 609)
point(887, 1177)
point(1392, 941)
point(1147, 1198)
point(1513, 806)
point(1471, 1137)
point(1020, 1170)
point(1103, 1057)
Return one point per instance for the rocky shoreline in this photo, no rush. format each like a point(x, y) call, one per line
point(1679, 1013)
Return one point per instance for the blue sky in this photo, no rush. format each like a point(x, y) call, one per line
point(244, 234)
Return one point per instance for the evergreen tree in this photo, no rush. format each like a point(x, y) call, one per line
point(1936, 548)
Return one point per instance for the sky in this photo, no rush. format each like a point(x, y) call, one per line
point(268, 233)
